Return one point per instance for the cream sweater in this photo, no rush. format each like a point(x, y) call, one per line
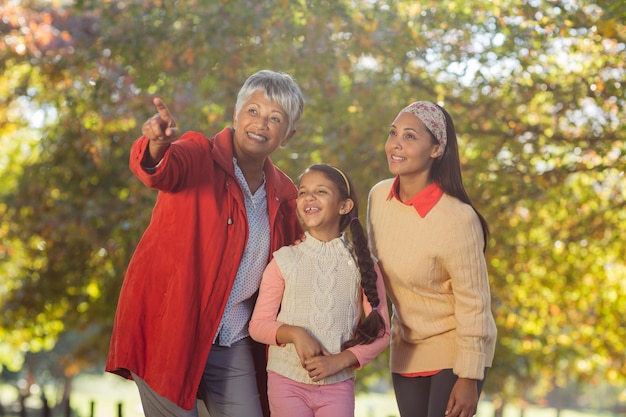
point(315, 285)
point(436, 277)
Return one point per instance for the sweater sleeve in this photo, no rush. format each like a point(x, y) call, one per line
point(365, 353)
point(263, 324)
point(475, 329)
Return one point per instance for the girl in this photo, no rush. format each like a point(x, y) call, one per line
point(309, 304)
point(429, 241)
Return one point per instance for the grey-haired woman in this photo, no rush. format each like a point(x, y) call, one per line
point(181, 327)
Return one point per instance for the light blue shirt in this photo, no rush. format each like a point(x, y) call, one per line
point(234, 324)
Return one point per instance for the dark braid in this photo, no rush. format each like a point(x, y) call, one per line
point(373, 326)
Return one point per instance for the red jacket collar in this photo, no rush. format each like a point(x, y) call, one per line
point(276, 185)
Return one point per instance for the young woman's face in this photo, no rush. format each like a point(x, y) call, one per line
point(260, 127)
point(321, 206)
point(410, 147)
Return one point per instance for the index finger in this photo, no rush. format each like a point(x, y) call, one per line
point(164, 113)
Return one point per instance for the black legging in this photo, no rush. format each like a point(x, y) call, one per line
point(425, 396)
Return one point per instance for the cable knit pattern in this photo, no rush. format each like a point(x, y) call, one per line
point(436, 276)
point(322, 294)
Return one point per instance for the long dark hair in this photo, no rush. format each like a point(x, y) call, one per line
point(446, 172)
point(373, 326)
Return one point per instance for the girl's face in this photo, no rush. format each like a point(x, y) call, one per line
point(410, 147)
point(321, 206)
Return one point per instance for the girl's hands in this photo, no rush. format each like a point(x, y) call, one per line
point(318, 362)
point(307, 346)
point(323, 366)
point(463, 400)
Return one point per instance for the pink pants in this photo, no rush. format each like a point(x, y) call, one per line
point(289, 398)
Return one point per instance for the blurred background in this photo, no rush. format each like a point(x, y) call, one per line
point(536, 90)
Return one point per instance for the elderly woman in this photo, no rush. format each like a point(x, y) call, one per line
point(181, 327)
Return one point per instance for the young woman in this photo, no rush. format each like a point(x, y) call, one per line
point(311, 301)
point(430, 241)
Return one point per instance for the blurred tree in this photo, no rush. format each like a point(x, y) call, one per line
point(536, 89)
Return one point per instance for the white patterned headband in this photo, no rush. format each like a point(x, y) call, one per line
point(431, 115)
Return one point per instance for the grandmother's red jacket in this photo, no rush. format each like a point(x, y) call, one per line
point(179, 278)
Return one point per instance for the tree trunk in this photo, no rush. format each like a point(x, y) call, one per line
point(498, 409)
point(45, 407)
point(65, 401)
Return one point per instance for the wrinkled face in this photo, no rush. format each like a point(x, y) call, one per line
point(261, 126)
point(410, 147)
point(321, 206)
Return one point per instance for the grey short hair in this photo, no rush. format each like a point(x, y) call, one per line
point(279, 88)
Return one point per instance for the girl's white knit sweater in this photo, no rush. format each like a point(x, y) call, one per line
point(322, 294)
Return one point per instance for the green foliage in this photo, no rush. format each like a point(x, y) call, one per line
point(535, 89)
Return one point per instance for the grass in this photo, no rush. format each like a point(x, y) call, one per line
point(107, 391)
point(384, 405)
